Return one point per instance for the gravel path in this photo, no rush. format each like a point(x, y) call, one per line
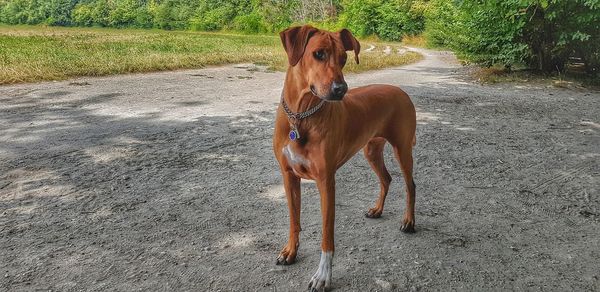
point(167, 181)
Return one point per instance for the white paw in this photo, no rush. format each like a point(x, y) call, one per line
point(321, 280)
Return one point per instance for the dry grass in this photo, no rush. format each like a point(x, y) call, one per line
point(494, 75)
point(497, 75)
point(378, 58)
point(418, 41)
point(31, 53)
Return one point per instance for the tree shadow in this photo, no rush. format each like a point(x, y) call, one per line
point(93, 199)
point(90, 200)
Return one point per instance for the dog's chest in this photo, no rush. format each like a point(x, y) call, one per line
point(298, 160)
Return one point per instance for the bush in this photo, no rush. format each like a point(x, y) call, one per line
point(249, 23)
point(82, 15)
point(123, 14)
point(215, 19)
point(442, 20)
point(360, 16)
point(491, 32)
point(91, 14)
point(389, 20)
point(143, 18)
point(396, 18)
point(541, 34)
point(57, 12)
point(276, 15)
point(14, 12)
point(171, 14)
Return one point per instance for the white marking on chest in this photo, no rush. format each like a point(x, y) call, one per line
point(294, 158)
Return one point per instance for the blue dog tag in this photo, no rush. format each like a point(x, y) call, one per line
point(294, 135)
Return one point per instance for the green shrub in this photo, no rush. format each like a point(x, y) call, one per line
point(389, 20)
point(92, 14)
point(442, 20)
point(540, 34)
point(249, 23)
point(143, 18)
point(57, 12)
point(215, 19)
point(123, 14)
point(360, 16)
point(82, 15)
point(491, 33)
point(276, 15)
point(395, 19)
point(14, 12)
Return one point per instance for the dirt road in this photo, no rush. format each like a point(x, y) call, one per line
point(167, 181)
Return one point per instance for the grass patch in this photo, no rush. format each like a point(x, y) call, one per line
point(493, 75)
point(35, 53)
point(418, 41)
point(572, 79)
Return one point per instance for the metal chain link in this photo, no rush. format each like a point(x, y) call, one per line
point(302, 115)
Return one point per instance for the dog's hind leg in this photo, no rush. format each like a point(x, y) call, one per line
point(374, 154)
point(403, 153)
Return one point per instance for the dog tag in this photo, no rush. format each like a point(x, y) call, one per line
point(294, 135)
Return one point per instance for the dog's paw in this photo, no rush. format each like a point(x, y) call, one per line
point(408, 226)
point(321, 280)
point(287, 256)
point(374, 213)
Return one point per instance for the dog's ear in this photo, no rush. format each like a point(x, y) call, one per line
point(350, 42)
point(294, 40)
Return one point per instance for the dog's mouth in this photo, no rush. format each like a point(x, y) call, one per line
point(312, 90)
point(326, 98)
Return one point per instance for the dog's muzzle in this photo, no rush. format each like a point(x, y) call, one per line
point(338, 90)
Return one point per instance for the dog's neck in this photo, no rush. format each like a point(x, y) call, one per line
point(297, 95)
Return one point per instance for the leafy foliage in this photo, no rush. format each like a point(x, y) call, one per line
point(389, 20)
point(543, 34)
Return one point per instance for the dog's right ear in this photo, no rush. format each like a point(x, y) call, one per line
point(294, 40)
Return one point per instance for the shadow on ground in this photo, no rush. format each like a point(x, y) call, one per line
point(91, 199)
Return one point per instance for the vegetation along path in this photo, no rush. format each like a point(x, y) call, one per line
point(166, 181)
point(33, 53)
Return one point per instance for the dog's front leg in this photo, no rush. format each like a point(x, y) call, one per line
point(321, 280)
point(291, 184)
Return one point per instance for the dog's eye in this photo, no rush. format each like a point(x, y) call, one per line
point(319, 55)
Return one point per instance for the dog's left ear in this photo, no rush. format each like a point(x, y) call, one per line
point(294, 40)
point(350, 42)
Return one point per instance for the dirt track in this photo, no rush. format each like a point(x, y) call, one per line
point(167, 181)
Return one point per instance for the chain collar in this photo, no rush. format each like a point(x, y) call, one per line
point(295, 117)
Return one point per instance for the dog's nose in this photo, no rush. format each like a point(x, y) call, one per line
point(338, 89)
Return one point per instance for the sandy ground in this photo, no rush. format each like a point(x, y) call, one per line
point(167, 182)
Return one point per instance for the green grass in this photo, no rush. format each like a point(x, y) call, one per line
point(35, 53)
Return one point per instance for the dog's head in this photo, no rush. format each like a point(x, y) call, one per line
point(319, 57)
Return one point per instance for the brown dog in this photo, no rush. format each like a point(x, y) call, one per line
point(320, 125)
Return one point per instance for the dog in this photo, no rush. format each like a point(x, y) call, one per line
point(320, 125)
